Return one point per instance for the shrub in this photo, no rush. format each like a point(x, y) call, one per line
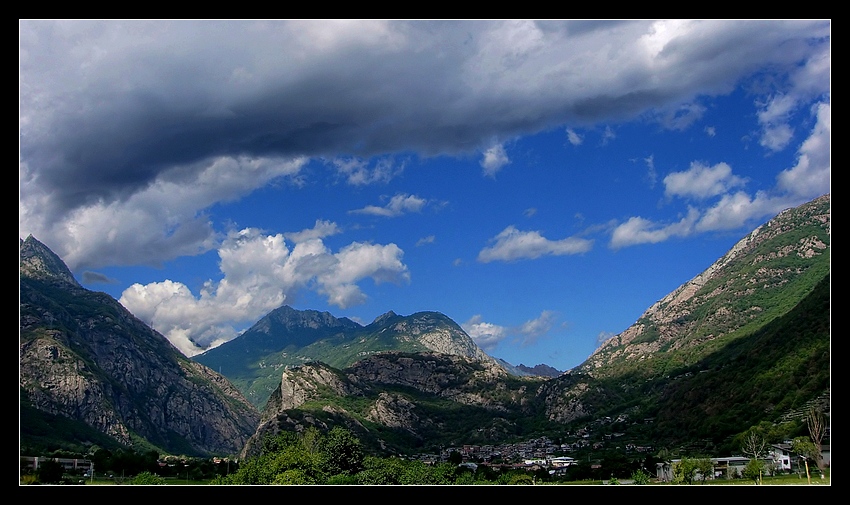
point(147, 479)
point(640, 477)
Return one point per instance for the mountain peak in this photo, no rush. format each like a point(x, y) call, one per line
point(384, 317)
point(37, 261)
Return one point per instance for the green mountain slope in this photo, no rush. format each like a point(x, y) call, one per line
point(746, 341)
point(777, 369)
point(287, 337)
point(762, 277)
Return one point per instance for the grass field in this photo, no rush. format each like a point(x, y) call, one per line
point(780, 480)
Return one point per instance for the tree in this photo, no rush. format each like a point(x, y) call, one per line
point(380, 471)
point(640, 478)
point(754, 470)
point(516, 479)
point(50, 472)
point(806, 450)
point(310, 440)
point(342, 452)
point(286, 458)
point(706, 468)
point(755, 446)
point(817, 427)
point(684, 471)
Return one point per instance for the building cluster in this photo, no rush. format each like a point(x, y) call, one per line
point(543, 451)
point(69, 464)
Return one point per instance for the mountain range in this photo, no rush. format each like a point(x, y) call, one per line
point(745, 342)
point(287, 337)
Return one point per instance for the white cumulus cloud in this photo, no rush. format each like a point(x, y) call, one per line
point(701, 181)
point(637, 230)
point(495, 158)
point(533, 329)
point(260, 273)
point(574, 138)
point(359, 172)
point(810, 177)
point(512, 244)
point(486, 335)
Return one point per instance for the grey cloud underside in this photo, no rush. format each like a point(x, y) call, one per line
point(108, 128)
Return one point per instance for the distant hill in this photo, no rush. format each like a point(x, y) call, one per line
point(287, 337)
point(540, 370)
point(92, 373)
point(398, 402)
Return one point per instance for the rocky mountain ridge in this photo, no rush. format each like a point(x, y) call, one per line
point(783, 252)
point(86, 358)
point(287, 337)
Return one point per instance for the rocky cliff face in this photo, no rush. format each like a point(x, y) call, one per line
point(85, 357)
point(378, 383)
point(447, 375)
point(432, 330)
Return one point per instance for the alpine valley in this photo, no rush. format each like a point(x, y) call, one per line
point(744, 343)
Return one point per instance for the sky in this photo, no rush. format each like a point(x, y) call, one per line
point(540, 182)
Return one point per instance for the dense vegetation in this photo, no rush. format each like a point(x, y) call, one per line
point(738, 382)
point(336, 457)
point(123, 465)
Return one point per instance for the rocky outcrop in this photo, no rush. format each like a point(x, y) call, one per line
point(377, 382)
point(432, 330)
point(37, 261)
point(396, 411)
point(302, 384)
point(85, 357)
point(460, 378)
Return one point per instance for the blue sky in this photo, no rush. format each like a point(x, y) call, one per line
point(542, 183)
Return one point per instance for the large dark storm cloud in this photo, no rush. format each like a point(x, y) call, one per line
point(110, 108)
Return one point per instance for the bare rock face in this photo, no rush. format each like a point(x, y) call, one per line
point(85, 357)
point(447, 375)
point(564, 404)
point(434, 331)
point(460, 379)
point(39, 262)
point(395, 411)
point(302, 384)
